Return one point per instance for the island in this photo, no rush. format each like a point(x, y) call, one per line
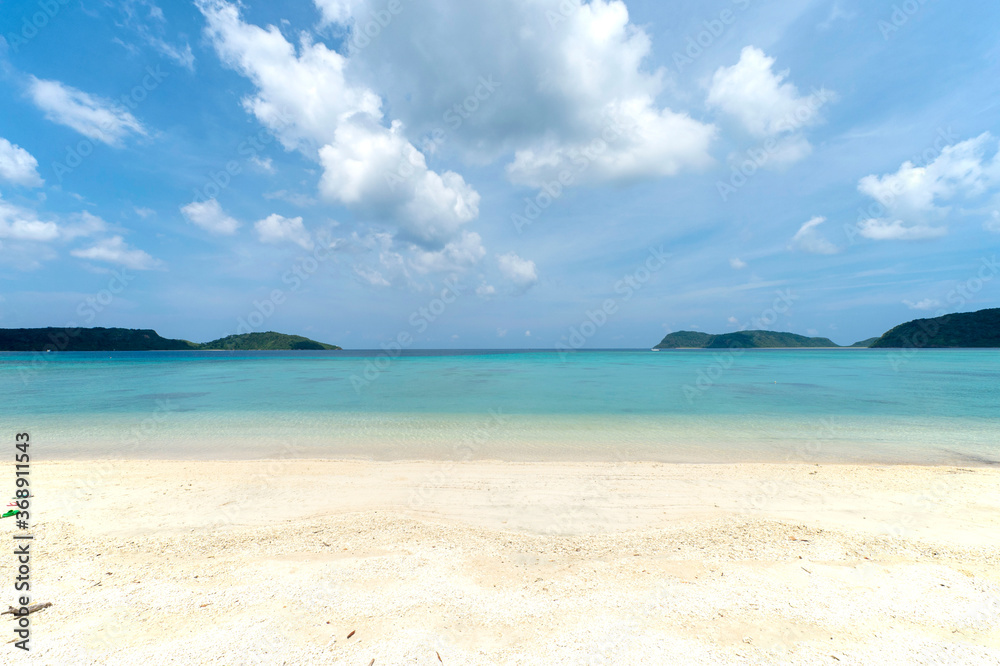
point(966, 329)
point(138, 339)
point(740, 340)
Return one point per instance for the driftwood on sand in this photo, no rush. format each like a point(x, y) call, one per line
point(15, 612)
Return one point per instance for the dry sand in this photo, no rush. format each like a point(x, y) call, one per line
point(276, 562)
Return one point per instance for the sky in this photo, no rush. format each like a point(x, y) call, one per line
point(502, 174)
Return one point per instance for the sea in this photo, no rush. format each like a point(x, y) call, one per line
point(685, 406)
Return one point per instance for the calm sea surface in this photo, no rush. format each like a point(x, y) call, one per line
point(931, 406)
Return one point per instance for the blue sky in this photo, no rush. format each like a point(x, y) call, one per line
point(521, 173)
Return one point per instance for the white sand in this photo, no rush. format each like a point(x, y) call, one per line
point(512, 563)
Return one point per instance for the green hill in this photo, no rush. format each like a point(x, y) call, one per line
point(740, 339)
point(865, 343)
point(130, 339)
point(268, 341)
point(967, 329)
point(87, 339)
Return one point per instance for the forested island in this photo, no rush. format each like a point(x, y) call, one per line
point(137, 339)
point(967, 329)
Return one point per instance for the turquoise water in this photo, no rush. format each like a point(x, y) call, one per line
point(931, 406)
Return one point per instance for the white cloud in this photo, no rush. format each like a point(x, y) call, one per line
point(910, 201)
point(371, 276)
point(209, 216)
point(17, 223)
point(766, 105)
point(264, 164)
point(91, 116)
point(521, 272)
point(636, 141)
point(144, 212)
point(760, 99)
point(808, 239)
point(428, 206)
point(925, 304)
point(18, 166)
point(304, 96)
point(737, 263)
point(882, 229)
point(115, 250)
point(733, 321)
point(485, 291)
point(336, 11)
point(277, 229)
point(545, 82)
point(81, 225)
point(457, 255)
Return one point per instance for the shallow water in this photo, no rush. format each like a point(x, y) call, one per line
point(930, 406)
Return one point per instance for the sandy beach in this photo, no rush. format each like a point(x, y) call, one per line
point(278, 562)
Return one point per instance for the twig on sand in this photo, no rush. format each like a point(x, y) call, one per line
point(13, 612)
point(351, 634)
point(371, 662)
point(439, 656)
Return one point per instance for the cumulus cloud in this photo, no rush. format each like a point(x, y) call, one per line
point(303, 94)
point(910, 203)
point(560, 83)
point(92, 116)
point(766, 105)
point(809, 239)
point(521, 272)
point(362, 167)
point(457, 255)
point(278, 229)
point(737, 263)
point(18, 166)
point(18, 223)
point(115, 250)
point(925, 304)
point(209, 216)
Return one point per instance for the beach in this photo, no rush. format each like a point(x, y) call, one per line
point(490, 562)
